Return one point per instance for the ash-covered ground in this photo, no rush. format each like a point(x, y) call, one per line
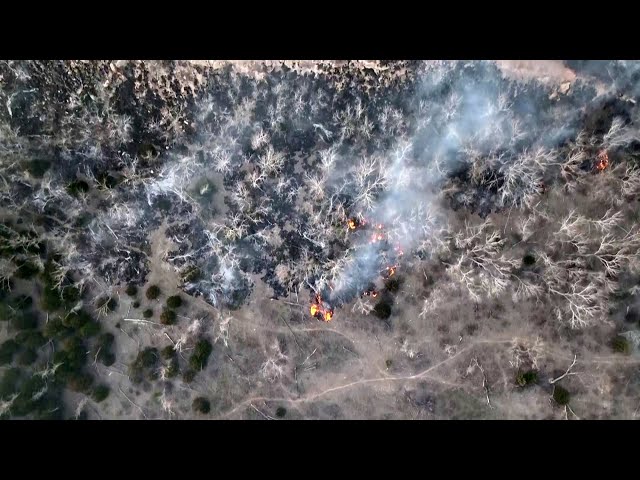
point(319, 240)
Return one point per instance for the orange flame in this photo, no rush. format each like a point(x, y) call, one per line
point(352, 224)
point(603, 160)
point(318, 311)
point(391, 271)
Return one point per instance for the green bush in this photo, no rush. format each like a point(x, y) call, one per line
point(189, 375)
point(148, 313)
point(90, 329)
point(109, 302)
point(529, 377)
point(100, 393)
point(173, 368)
point(77, 187)
point(191, 274)
point(281, 412)
point(201, 405)
point(107, 358)
point(392, 285)
point(76, 320)
point(27, 357)
point(136, 304)
point(55, 328)
point(153, 292)
point(51, 300)
point(10, 382)
point(147, 358)
point(529, 260)
point(131, 290)
point(80, 382)
point(168, 352)
point(174, 301)
point(26, 270)
point(21, 302)
point(106, 340)
point(38, 167)
point(200, 356)
point(561, 395)
point(168, 317)
point(7, 350)
point(24, 321)
point(30, 339)
point(382, 310)
point(144, 365)
point(621, 345)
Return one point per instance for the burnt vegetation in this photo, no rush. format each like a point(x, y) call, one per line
point(434, 207)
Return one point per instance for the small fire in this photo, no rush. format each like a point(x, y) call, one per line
point(391, 271)
point(318, 310)
point(603, 160)
point(352, 224)
point(371, 293)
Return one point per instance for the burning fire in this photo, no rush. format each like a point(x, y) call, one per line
point(319, 310)
point(603, 160)
point(371, 293)
point(391, 271)
point(352, 224)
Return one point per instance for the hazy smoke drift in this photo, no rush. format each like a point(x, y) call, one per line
point(459, 117)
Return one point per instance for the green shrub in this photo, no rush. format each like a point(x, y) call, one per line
point(200, 356)
point(529, 377)
point(55, 328)
point(147, 358)
point(107, 358)
point(189, 375)
point(26, 270)
point(561, 395)
point(76, 320)
point(7, 350)
point(24, 321)
point(168, 317)
point(131, 290)
point(144, 365)
point(153, 292)
point(21, 302)
point(148, 313)
point(173, 368)
point(281, 412)
point(382, 310)
point(388, 363)
point(392, 284)
point(174, 301)
point(77, 187)
point(100, 393)
point(51, 300)
point(108, 303)
point(529, 260)
point(38, 167)
point(10, 382)
point(168, 352)
point(80, 382)
point(136, 304)
point(191, 274)
point(621, 345)
point(106, 340)
point(27, 357)
point(30, 339)
point(90, 329)
point(201, 405)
